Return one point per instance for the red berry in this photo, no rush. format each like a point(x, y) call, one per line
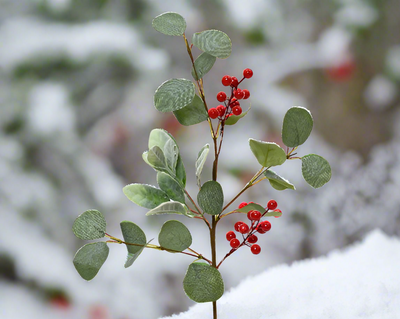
point(255, 249)
point(265, 225)
point(254, 215)
point(237, 225)
point(213, 113)
point(238, 94)
point(234, 82)
point(342, 72)
point(230, 235)
point(221, 96)
point(277, 210)
point(221, 110)
point(237, 110)
point(252, 239)
point(241, 205)
point(244, 229)
point(246, 94)
point(247, 73)
point(272, 204)
point(226, 80)
point(235, 243)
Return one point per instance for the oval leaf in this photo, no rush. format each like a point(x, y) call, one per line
point(201, 159)
point(171, 187)
point(203, 283)
point(90, 225)
point(89, 259)
point(203, 65)
point(297, 126)
point(273, 213)
point(233, 119)
point(133, 234)
point(174, 95)
point(211, 198)
point(170, 23)
point(214, 42)
point(193, 113)
point(156, 159)
point(174, 236)
point(268, 154)
point(170, 208)
point(278, 182)
point(251, 206)
point(145, 195)
point(316, 170)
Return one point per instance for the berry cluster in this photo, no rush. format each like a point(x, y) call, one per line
point(231, 105)
point(248, 231)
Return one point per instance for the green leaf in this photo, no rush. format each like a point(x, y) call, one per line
point(171, 187)
point(273, 213)
point(203, 64)
point(170, 208)
point(203, 283)
point(144, 195)
point(170, 23)
point(171, 153)
point(156, 159)
point(193, 113)
point(175, 236)
point(162, 139)
point(233, 119)
point(297, 126)
point(89, 259)
point(174, 95)
point(89, 225)
point(251, 206)
point(201, 159)
point(278, 182)
point(214, 42)
point(211, 198)
point(133, 234)
point(316, 170)
point(268, 154)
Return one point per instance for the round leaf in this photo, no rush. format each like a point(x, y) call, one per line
point(277, 182)
point(145, 195)
point(89, 259)
point(268, 154)
point(214, 42)
point(203, 65)
point(170, 208)
point(316, 170)
point(211, 198)
point(203, 283)
point(193, 113)
point(297, 126)
point(171, 187)
point(170, 23)
point(133, 234)
point(175, 236)
point(89, 225)
point(174, 95)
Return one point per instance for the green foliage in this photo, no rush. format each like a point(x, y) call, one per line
point(214, 42)
point(90, 225)
point(133, 234)
point(173, 95)
point(233, 119)
point(251, 206)
point(316, 170)
point(203, 65)
point(170, 208)
point(211, 198)
point(175, 236)
point(171, 187)
point(193, 113)
point(144, 195)
point(278, 182)
point(203, 283)
point(170, 23)
point(89, 259)
point(201, 159)
point(297, 126)
point(273, 213)
point(267, 154)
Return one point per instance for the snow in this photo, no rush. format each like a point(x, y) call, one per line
point(361, 281)
point(380, 93)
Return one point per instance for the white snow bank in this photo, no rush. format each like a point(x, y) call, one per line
point(362, 281)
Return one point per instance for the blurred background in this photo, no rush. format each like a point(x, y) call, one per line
point(76, 94)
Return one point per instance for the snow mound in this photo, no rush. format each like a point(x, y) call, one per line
point(361, 281)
